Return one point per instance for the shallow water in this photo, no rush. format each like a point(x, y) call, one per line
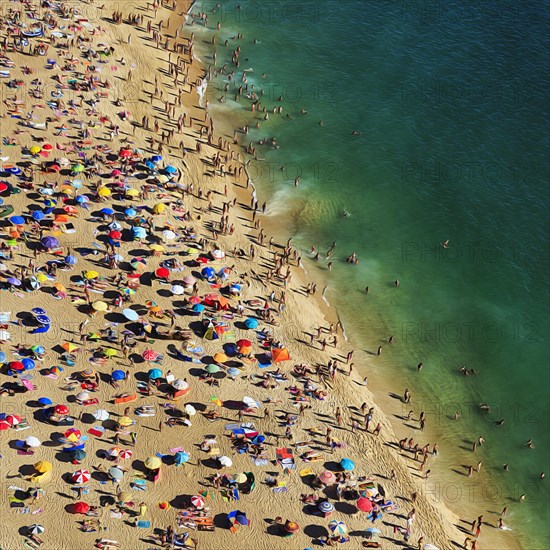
point(450, 101)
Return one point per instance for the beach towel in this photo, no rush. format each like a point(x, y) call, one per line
point(143, 524)
point(285, 458)
point(97, 431)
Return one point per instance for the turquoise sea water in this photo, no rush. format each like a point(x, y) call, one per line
point(450, 101)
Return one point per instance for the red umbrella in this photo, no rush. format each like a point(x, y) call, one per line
point(55, 167)
point(243, 343)
point(81, 476)
point(150, 355)
point(61, 409)
point(195, 300)
point(115, 234)
point(3, 187)
point(125, 153)
point(47, 147)
point(364, 504)
point(16, 365)
point(13, 419)
point(116, 173)
point(202, 260)
point(162, 273)
point(77, 433)
point(81, 508)
point(4, 425)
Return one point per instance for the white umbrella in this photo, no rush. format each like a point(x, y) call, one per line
point(190, 410)
point(218, 254)
point(82, 396)
point(169, 235)
point(5, 335)
point(130, 314)
point(177, 290)
point(36, 529)
point(101, 414)
point(225, 461)
point(430, 547)
point(180, 384)
point(32, 441)
point(252, 403)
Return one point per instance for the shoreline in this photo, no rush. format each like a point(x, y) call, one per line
point(511, 539)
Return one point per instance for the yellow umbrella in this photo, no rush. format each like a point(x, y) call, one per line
point(124, 496)
point(104, 192)
point(72, 438)
point(43, 466)
point(159, 208)
point(156, 247)
point(220, 357)
point(42, 277)
point(100, 306)
point(125, 421)
point(110, 352)
point(35, 149)
point(132, 193)
point(69, 347)
point(91, 275)
point(58, 286)
point(162, 178)
point(153, 462)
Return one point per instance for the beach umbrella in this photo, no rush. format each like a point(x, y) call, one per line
point(38, 349)
point(130, 212)
point(233, 372)
point(150, 355)
point(325, 507)
point(116, 473)
point(49, 242)
point(169, 235)
point(364, 504)
point(208, 272)
point(189, 280)
point(99, 305)
point(13, 419)
point(35, 149)
point(218, 254)
point(110, 352)
point(180, 384)
point(126, 453)
point(115, 235)
point(220, 357)
point(16, 365)
point(347, 464)
point(149, 164)
point(198, 308)
point(162, 273)
point(153, 463)
point(28, 363)
point(212, 369)
point(327, 477)
point(61, 409)
point(291, 526)
point(32, 441)
point(101, 414)
point(13, 281)
point(178, 290)
point(132, 192)
point(154, 374)
point(225, 461)
point(88, 373)
point(198, 501)
point(130, 314)
point(61, 218)
point(240, 518)
point(118, 375)
point(139, 232)
point(4, 335)
point(81, 476)
point(17, 220)
point(81, 508)
point(124, 496)
point(125, 153)
point(43, 466)
point(91, 274)
point(36, 529)
point(181, 457)
point(156, 158)
point(71, 260)
point(373, 531)
point(338, 527)
point(430, 547)
point(77, 454)
point(3, 357)
point(126, 421)
point(240, 478)
point(38, 215)
point(170, 169)
point(251, 323)
point(78, 168)
point(104, 192)
point(280, 354)
point(190, 410)
point(107, 211)
point(243, 343)
point(4, 425)
point(159, 208)
point(73, 433)
point(45, 401)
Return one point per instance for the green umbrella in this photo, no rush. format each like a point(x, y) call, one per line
point(212, 369)
point(78, 168)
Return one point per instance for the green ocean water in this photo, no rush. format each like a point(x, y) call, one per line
point(450, 105)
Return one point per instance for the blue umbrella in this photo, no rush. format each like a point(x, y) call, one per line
point(139, 232)
point(107, 211)
point(15, 170)
point(153, 374)
point(233, 372)
point(156, 158)
point(170, 170)
point(17, 220)
point(38, 349)
point(50, 203)
point(130, 212)
point(118, 375)
point(38, 311)
point(149, 165)
point(198, 308)
point(38, 215)
point(78, 454)
point(2, 357)
point(43, 319)
point(81, 199)
point(181, 457)
point(326, 507)
point(208, 273)
point(45, 401)
point(49, 242)
point(1, 202)
point(347, 464)
point(28, 363)
point(71, 260)
point(251, 323)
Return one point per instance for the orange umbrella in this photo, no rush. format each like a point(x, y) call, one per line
point(280, 354)
point(61, 218)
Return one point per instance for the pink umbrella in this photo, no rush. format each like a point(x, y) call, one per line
point(126, 453)
point(28, 384)
point(150, 355)
point(327, 477)
point(81, 476)
point(197, 501)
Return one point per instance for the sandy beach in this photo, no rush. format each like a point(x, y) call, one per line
point(118, 105)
